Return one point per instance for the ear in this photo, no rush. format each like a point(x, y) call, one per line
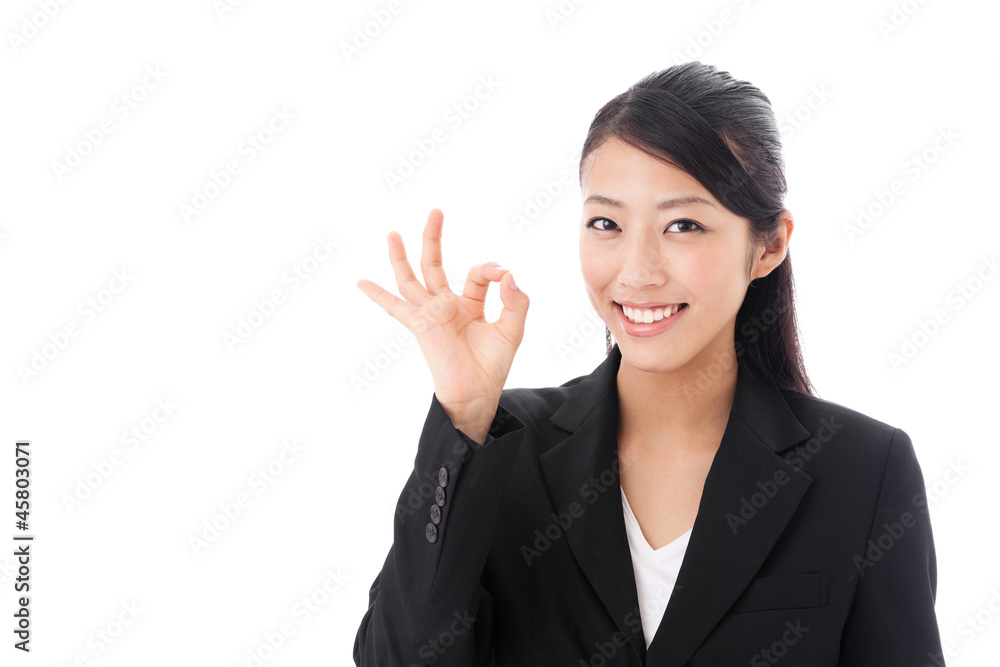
point(773, 253)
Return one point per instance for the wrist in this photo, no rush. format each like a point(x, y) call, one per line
point(475, 423)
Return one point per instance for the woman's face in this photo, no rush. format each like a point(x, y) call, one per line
point(646, 241)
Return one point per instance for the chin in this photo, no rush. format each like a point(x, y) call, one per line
point(650, 358)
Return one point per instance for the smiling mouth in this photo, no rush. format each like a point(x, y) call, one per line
point(649, 315)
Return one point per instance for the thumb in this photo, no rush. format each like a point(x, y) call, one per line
point(515, 309)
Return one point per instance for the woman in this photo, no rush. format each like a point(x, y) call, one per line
point(690, 502)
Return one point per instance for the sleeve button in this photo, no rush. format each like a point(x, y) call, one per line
point(443, 477)
point(439, 496)
point(431, 532)
point(436, 514)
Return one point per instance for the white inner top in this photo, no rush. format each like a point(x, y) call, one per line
point(655, 571)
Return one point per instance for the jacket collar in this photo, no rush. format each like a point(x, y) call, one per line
point(723, 555)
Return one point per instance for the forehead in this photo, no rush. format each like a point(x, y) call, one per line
point(616, 167)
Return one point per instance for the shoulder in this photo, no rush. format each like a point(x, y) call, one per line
point(846, 439)
point(814, 412)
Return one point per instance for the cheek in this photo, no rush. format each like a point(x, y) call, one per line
point(717, 280)
point(597, 274)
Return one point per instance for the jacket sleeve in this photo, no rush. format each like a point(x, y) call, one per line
point(892, 622)
point(427, 605)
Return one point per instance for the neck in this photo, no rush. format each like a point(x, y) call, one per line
point(679, 410)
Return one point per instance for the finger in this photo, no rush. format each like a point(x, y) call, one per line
point(409, 286)
point(390, 303)
point(430, 258)
point(515, 310)
point(477, 284)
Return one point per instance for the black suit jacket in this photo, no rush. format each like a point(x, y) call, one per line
point(812, 545)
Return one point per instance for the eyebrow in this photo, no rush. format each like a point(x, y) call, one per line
point(673, 202)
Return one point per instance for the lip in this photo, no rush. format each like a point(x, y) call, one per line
point(647, 304)
point(653, 328)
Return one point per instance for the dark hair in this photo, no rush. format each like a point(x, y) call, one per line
point(721, 131)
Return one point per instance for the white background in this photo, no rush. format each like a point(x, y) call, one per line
point(63, 234)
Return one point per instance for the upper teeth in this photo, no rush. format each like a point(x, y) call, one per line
point(649, 315)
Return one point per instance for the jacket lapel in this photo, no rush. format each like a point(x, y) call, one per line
point(725, 550)
point(582, 469)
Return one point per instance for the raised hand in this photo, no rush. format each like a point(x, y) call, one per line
point(469, 358)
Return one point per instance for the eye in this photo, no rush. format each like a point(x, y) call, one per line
point(690, 225)
point(694, 225)
point(590, 223)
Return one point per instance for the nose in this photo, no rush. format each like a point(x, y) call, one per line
point(643, 265)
